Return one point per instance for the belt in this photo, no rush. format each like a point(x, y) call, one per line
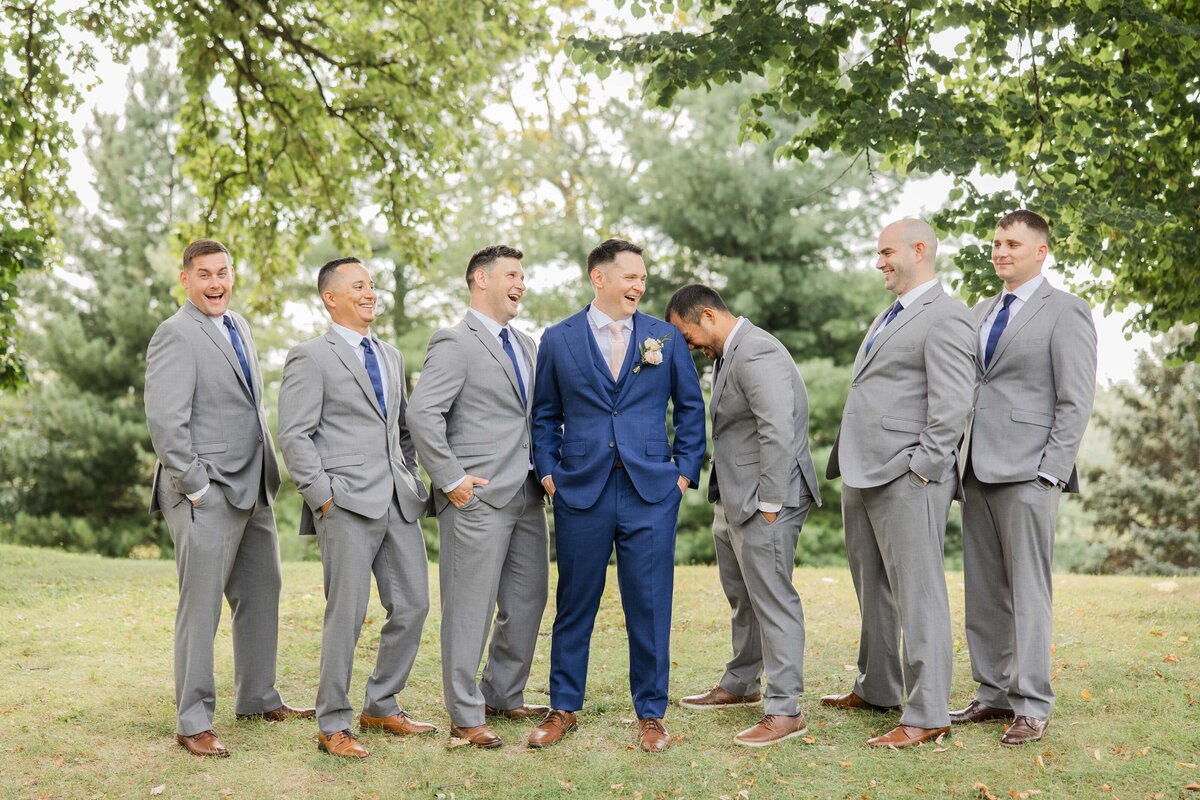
point(618, 464)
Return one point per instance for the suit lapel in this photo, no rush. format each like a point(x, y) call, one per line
point(1030, 309)
point(584, 349)
point(395, 379)
point(492, 345)
point(350, 359)
point(221, 341)
point(723, 377)
point(530, 359)
point(903, 318)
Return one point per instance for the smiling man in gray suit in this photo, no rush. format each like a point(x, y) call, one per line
point(897, 455)
point(469, 418)
point(763, 483)
point(215, 481)
point(342, 432)
point(1036, 383)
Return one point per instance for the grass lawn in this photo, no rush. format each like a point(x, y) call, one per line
point(86, 706)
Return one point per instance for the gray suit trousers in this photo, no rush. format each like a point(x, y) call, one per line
point(755, 562)
point(352, 547)
point(1009, 610)
point(221, 549)
point(493, 561)
point(895, 534)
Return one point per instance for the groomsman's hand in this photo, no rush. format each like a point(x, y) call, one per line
point(548, 485)
point(461, 495)
point(770, 516)
point(683, 484)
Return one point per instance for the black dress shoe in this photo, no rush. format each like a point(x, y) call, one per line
point(978, 712)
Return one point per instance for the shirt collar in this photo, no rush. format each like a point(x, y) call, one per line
point(732, 333)
point(352, 337)
point(1026, 289)
point(909, 297)
point(493, 327)
point(600, 320)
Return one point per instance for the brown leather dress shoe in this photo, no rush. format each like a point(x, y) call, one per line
point(556, 725)
point(770, 729)
point(342, 744)
point(718, 697)
point(851, 700)
point(477, 736)
point(1025, 729)
point(906, 735)
point(204, 743)
point(522, 713)
point(284, 712)
point(978, 712)
point(400, 724)
point(654, 737)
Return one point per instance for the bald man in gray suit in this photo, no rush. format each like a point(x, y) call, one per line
point(215, 482)
point(897, 455)
point(342, 431)
point(763, 483)
point(1036, 383)
point(469, 418)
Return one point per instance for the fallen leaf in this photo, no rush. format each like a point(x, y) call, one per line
point(1104, 787)
point(1170, 658)
point(940, 749)
point(844, 764)
point(1040, 762)
point(849, 668)
point(1085, 694)
point(939, 739)
point(1145, 751)
point(1096, 754)
point(455, 742)
point(1185, 764)
point(743, 794)
point(810, 740)
point(616, 787)
point(162, 787)
point(1183, 639)
point(1156, 632)
point(983, 791)
point(958, 743)
point(637, 796)
point(1193, 787)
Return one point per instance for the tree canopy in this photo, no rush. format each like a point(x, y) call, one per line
point(295, 116)
point(1090, 107)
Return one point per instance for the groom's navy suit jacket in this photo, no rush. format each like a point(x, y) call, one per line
point(583, 420)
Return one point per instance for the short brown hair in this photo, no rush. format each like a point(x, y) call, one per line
point(1022, 216)
point(607, 250)
point(203, 247)
point(485, 258)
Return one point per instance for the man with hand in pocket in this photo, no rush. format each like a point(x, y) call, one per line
point(342, 431)
point(469, 418)
point(897, 454)
point(763, 483)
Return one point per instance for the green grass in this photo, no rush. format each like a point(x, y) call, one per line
point(86, 703)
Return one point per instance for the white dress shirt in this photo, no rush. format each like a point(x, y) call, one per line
point(599, 322)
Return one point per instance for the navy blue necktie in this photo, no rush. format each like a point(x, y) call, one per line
point(997, 329)
point(372, 364)
point(896, 309)
point(512, 354)
point(236, 341)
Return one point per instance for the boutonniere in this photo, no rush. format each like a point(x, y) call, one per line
point(651, 351)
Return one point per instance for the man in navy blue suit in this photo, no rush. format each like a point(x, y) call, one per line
point(600, 446)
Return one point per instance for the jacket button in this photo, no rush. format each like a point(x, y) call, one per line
point(854, 385)
point(524, 444)
point(260, 437)
point(611, 444)
point(616, 413)
point(985, 380)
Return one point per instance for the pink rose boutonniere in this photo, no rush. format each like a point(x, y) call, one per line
point(651, 350)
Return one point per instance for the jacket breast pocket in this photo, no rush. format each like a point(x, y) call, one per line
point(205, 448)
point(1032, 417)
point(343, 460)
point(903, 425)
point(473, 448)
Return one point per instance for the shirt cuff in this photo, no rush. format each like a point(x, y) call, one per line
point(1048, 477)
point(450, 487)
point(770, 508)
point(194, 496)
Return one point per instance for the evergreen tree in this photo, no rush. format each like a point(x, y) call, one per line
point(1149, 499)
point(75, 454)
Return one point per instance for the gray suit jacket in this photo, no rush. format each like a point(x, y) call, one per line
point(466, 413)
point(1034, 400)
point(909, 397)
point(204, 423)
point(334, 438)
point(759, 415)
